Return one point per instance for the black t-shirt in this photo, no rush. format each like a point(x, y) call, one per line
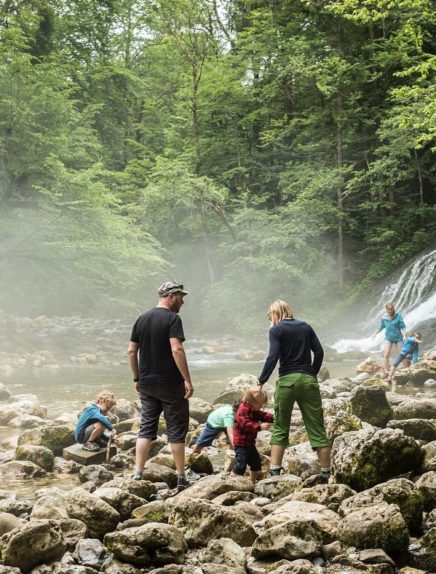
point(153, 331)
point(292, 341)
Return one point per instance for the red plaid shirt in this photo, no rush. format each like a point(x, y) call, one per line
point(247, 424)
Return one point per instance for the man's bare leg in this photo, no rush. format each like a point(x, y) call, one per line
point(143, 446)
point(178, 449)
point(277, 452)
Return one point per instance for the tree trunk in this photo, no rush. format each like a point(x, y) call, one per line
point(420, 181)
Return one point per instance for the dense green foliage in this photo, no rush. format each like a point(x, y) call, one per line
point(253, 149)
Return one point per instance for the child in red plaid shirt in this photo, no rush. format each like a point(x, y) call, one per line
point(249, 420)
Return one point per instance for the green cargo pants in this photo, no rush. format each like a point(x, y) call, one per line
point(303, 389)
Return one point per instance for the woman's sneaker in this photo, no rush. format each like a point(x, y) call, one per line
point(274, 472)
point(91, 446)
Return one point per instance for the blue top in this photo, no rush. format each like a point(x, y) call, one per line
point(411, 347)
point(293, 342)
point(91, 414)
point(393, 327)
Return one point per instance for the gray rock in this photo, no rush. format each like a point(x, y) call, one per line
point(40, 455)
point(330, 495)
point(96, 473)
point(370, 405)
point(199, 409)
point(233, 497)
point(56, 438)
point(50, 506)
point(365, 458)
point(209, 487)
point(97, 514)
point(32, 544)
point(420, 429)
point(113, 566)
point(429, 462)
point(426, 484)
point(224, 551)
point(9, 570)
point(124, 410)
point(278, 487)
point(378, 526)
point(400, 491)
point(5, 393)
point(416, 409)
point(375, 556)
point(20, 470)
point(152, 543)
point(16, 506)
point(290, 540)
point(430, 384)
point(90, 552)
point(208, 521)
point(141, 488)
point(26, 421)
point(123, 502)
point(8, 522)
point(73, 530)
point(158, 473)
point(301, 460)
point(424, 555)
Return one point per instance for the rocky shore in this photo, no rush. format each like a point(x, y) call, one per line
point(377, 515)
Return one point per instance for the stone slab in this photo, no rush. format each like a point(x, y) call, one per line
point(76, 453)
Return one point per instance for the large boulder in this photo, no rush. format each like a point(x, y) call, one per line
point(90, 552)
point(142, 488)
point(415, 409)
point(97, 473)
point(123, 502)
point(124, 410)
point(56, 438)
point(208, 521)
point(277, 487)
point(149, 544)
point(301, 460)
point(40, 455)
point(420, 429)
point(400, 491)
point(367, 457)
point(340, 422)
point(98, 515)
point(32, 544)
point(73, 530)
point(379, 526)
point(290, 540)
point(429, 462)
point(325, 521)
point(159, 473)
point(370, 405)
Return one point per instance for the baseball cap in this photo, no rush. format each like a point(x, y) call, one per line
point(171, 287)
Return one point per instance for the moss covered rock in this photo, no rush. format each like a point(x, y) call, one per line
point(56, 438)
point(377, 526)
point(369, 403)
point(40, 455)
point(400, 491)
point(368, 457)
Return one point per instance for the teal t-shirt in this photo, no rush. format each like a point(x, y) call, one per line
point(222, 417)
point(393, 327)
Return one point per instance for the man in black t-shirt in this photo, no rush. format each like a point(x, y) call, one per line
point(162, 377)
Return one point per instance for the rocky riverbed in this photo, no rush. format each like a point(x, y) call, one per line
point(377, 514)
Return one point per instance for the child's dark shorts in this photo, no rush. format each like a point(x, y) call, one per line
point(209, 434)
point(246, 456)
point(401, 358)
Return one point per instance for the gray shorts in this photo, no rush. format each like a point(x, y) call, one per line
point(86, 433)
point(170, 400)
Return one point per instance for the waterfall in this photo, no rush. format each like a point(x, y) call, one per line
point(413, 293)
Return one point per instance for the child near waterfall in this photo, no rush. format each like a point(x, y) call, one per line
point(93, 428)
point(409, 352)
point(249, 420)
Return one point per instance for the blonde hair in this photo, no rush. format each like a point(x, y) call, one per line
point(278, 311)
point(388, 305)
point(106, 397)
point(255, 397)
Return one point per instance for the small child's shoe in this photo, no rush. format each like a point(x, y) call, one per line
point(91, 446)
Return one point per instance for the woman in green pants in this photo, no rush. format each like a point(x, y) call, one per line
point(292, 342)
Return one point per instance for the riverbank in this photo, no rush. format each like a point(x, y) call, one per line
point(377, 514)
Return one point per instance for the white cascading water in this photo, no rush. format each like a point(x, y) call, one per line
point(413, 294)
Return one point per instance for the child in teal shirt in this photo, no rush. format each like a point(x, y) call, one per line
point(220, 420)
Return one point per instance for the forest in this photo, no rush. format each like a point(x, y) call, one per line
point(251, 149)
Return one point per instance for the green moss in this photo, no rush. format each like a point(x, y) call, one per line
point(157, 517)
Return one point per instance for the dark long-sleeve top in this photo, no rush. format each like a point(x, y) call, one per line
point(292, 341)
point(247, 424)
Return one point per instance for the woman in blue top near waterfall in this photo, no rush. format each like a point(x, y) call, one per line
point(395, 333)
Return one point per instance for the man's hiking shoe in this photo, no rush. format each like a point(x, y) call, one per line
point(137, 476)
point(182, 483)
point(91, 446)
point(316, 479)
point(191, 475)
point(274, 472)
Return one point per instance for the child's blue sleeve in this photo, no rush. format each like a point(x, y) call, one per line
point(401, 322)
point(96, 414)
point(382, 325)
